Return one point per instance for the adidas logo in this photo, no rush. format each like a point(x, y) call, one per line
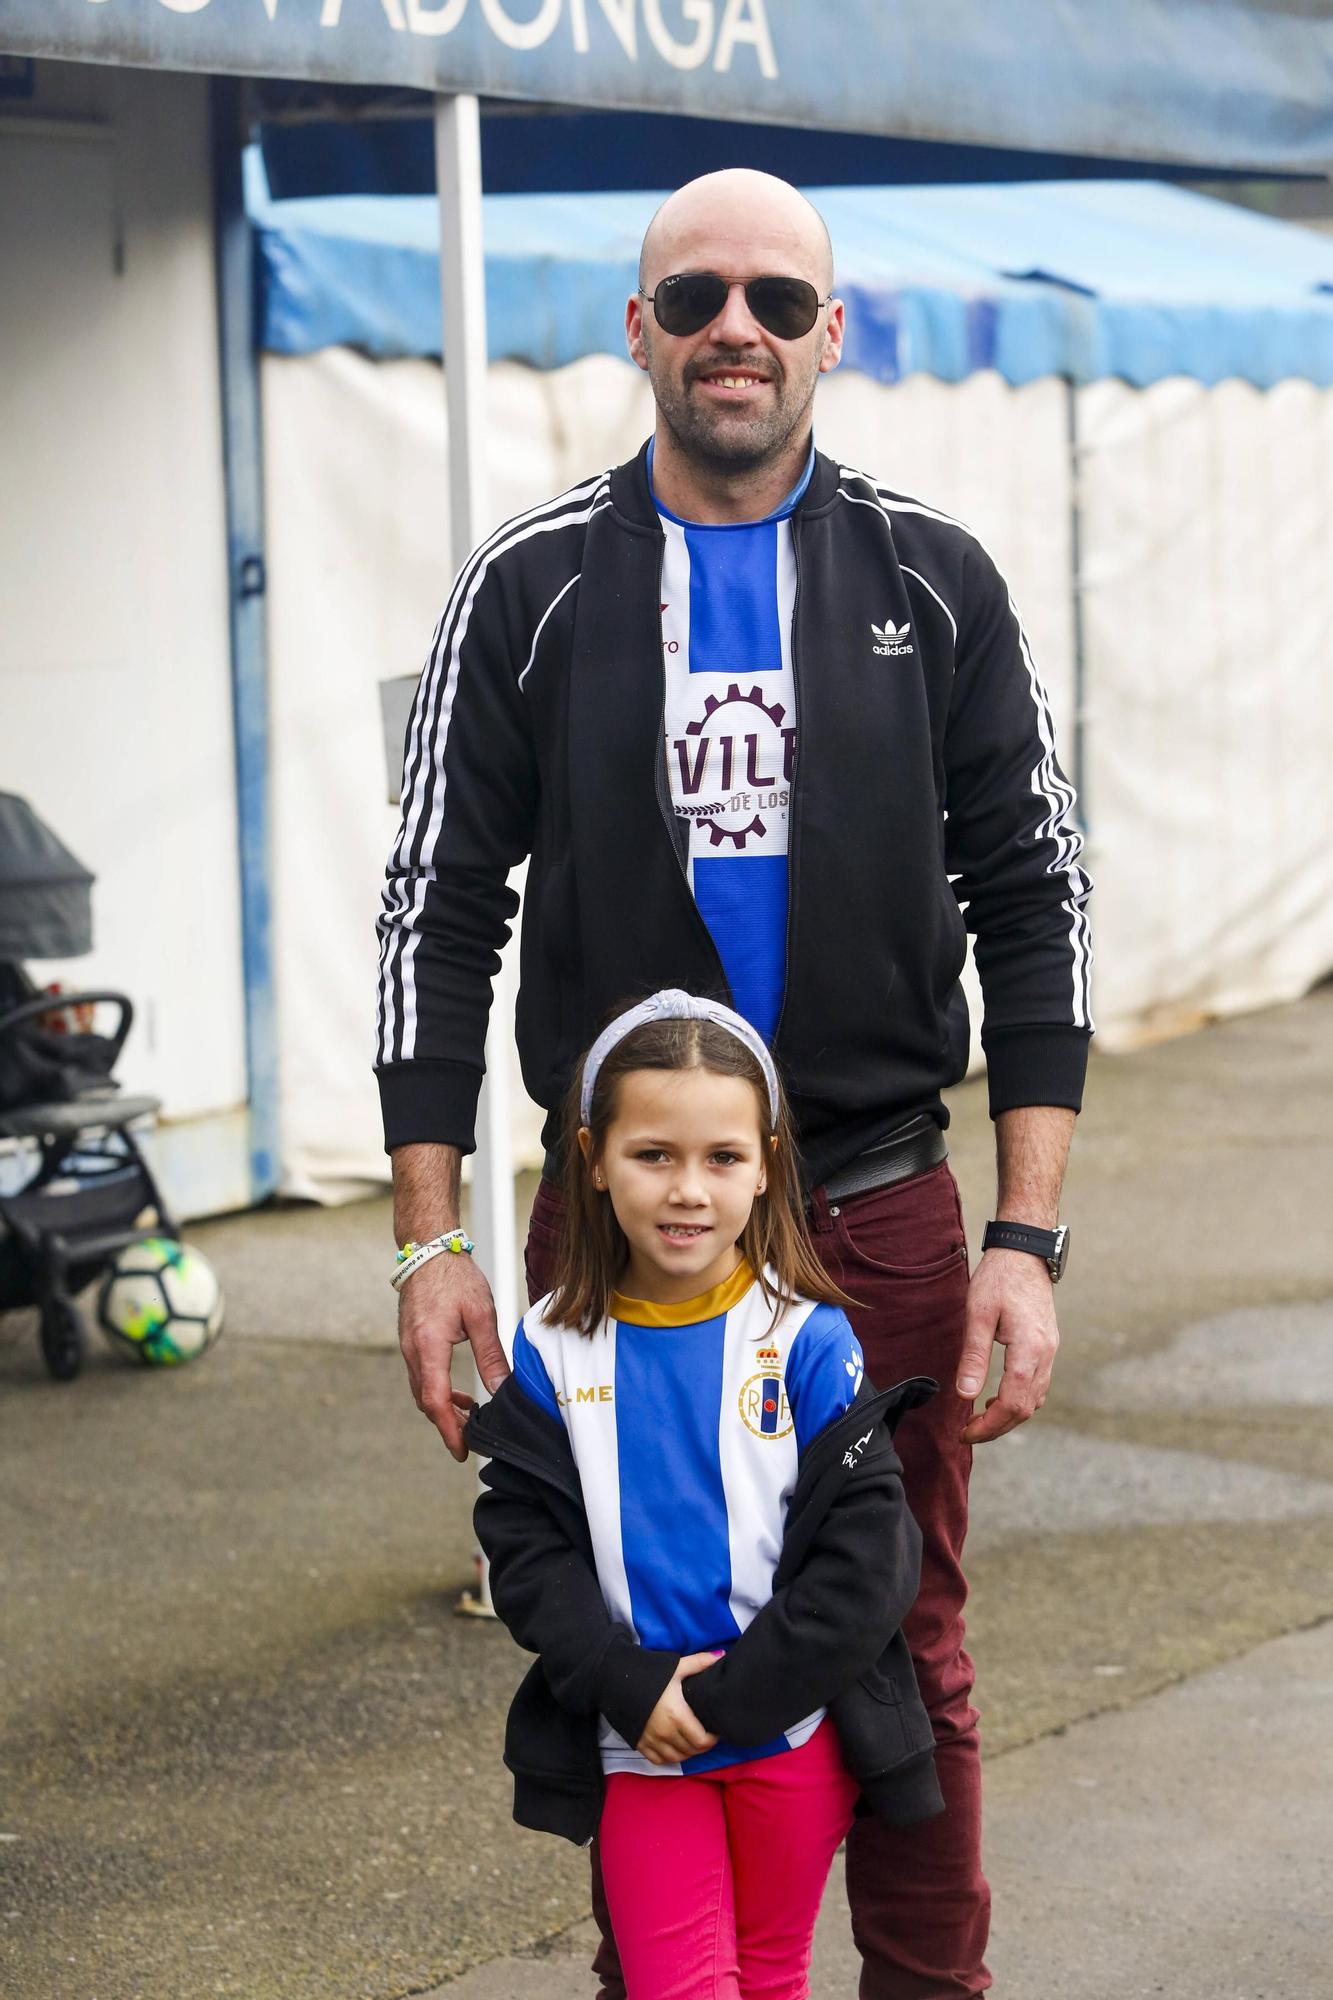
point(892, 638)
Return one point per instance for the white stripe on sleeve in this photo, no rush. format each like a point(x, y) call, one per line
point(404, 899)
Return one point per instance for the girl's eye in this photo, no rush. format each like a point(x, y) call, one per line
point(726, 1159)
point(650, 1153)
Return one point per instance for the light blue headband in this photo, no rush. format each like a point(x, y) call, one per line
point(673, 1005)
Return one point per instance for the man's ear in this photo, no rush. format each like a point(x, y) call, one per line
point(833, 332)
point(634, 340)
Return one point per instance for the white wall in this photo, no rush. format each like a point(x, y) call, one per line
point(114, 650)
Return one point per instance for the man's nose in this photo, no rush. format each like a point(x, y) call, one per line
point(735, 325)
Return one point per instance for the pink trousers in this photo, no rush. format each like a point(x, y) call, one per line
point(713, 1881)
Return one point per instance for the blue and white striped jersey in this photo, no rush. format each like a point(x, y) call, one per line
point(687, 1423)
point(727, 598)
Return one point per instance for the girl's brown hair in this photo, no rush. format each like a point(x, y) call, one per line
point(593, 1250)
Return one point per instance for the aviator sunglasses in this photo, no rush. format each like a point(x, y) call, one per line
point(785, 307)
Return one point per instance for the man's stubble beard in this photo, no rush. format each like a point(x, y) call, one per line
point(717, 443)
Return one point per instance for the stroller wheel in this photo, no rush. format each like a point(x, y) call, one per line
point(62, 1335)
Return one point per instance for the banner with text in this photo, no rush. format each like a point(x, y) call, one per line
point(1246, 83)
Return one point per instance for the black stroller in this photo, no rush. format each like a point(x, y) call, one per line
point(75, 1188)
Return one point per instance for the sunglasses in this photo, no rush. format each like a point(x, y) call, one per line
point(785, 307)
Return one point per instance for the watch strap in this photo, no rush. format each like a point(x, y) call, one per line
point(1021, 1236)
point(1051, 1245)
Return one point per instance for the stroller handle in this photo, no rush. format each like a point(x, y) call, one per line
point(53, 1003)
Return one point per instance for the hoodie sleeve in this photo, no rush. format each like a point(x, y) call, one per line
point(830, 1623)
point(1014, 849)
point(546, 1591)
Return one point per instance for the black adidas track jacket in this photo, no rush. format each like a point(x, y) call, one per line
point(925, 779)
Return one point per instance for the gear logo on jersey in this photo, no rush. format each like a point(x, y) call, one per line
point(734, 767)
point(764, 1407)
point(892, 638)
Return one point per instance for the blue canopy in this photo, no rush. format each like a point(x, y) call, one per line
point(1082, 279)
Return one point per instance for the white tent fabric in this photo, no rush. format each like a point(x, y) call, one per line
point(1208, 600)
point(1204, 606)
point(357, 527)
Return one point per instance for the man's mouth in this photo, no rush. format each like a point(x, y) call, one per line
point(732, 379)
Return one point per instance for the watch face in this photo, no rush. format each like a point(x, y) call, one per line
point(1060, 1255)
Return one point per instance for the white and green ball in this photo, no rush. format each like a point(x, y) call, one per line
point(161, 1302)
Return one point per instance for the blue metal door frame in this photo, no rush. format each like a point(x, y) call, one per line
point(247, 600)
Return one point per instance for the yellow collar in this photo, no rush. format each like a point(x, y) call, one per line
point(709, 1305)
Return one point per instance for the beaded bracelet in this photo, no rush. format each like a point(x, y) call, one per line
point(413, 1255)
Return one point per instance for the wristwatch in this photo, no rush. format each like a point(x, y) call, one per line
point(1051, 1245)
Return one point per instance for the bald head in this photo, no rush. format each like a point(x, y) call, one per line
point(733, 389)
point(741, 206)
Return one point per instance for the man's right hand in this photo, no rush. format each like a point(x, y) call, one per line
point(444, 1303)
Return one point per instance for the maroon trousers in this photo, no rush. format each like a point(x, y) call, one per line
point(920, 1904)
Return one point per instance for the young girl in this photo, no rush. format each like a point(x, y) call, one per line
point(694, 1516)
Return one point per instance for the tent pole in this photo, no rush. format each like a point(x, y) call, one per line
point(1082, 720)
point(463, 298)
point(463, 301)
point(1079, 772)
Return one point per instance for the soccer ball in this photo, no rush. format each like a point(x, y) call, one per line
point(161, 1302)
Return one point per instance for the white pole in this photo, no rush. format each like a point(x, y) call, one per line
point(463, 297)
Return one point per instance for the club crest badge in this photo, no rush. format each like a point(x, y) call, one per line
point(763, 1399)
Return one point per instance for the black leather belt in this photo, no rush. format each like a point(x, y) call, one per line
point(912, 1149)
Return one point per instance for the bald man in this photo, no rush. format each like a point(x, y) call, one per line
point(765, 729)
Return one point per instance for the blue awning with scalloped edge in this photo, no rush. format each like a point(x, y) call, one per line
point(1084, 279)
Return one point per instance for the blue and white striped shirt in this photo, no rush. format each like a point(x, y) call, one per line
point(728, 593)
point(687, 1424)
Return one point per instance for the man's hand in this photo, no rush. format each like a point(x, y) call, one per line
point(446, 1300)
point(444, 1303)
point(673, 1731)
point(1010, 1300)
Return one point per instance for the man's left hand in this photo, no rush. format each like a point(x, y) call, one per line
point(1010, 1300)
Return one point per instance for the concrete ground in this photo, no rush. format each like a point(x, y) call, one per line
point(247, 1750)
point(1179, 1846)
